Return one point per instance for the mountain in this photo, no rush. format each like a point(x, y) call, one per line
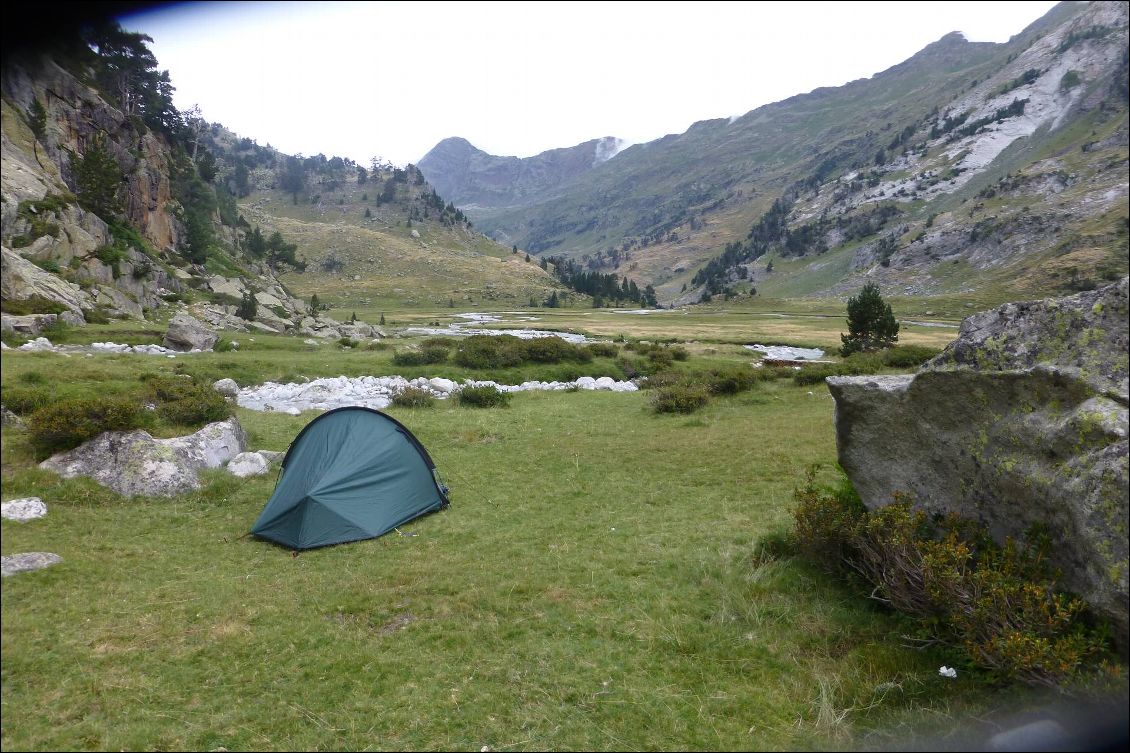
point(472, 178)
point(114, 204)
point(997, 169)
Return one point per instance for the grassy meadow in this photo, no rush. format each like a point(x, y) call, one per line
point(606, 578)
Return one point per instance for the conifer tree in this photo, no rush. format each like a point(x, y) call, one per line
point(871, 323)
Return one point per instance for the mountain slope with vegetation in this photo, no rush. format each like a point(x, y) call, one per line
point(985, 168)
point(116, 204)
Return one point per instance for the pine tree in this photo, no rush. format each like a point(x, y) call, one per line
point(382, 322)
point(871, 323)
point(248, 307)
point(97, 178)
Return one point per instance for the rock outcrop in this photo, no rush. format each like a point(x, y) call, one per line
point(134, 463)
point(1021, 421)
point(186, 334)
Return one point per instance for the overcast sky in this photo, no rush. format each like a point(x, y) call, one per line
point(394, 78)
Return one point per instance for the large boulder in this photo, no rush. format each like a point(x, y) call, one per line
point(186, 333)
point(134, 463)
point(1021, 421)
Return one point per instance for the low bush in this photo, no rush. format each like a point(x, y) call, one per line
point(24, 401)
point(603, 350)
point(485, 396)
point(439, 342)
point(489, 352)
point(664, 379)
point(553, 350)
point(425, 355)
point(376, 345)
point(1000, 603)
point(66, 424)
point(908, 356)
point(347, 342)
point(731, 381)
point(679, 398)
point(413, 397)
point(185, 402)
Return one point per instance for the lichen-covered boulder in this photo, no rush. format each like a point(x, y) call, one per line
point(134, 463)
point(1021, 421)
point(186, 333)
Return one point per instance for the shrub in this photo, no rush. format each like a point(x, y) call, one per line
point(664, 379)
point(489, 352)
point(998, 602)
point(224, 345)
point(376, 345)
point(679, 398)
point(413, 397)
point(426, 355)
point(439, 342)
point(678, 352)
point(660, 358)
point(184, 402)
point(68, 423)
point(603, 350)
point(908, 356)
point(348, 342)
point(485, 396)
point(25, 400)
point(554, 350)
point(731, 381)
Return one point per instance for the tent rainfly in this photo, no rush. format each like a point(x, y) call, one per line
point(352, 473)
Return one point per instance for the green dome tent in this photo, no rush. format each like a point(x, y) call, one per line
point(352, 473)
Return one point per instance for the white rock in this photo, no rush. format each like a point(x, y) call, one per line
point(439, 384)
point(39, 343)
point(247, 464)
point(23, 510)
point(226, 387)
point(26, 562)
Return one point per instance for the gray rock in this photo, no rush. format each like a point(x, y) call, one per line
point(272, 457)
point(185, 334)
point(1022, 420)
point(28, 325)
point(7, 418)
point(226, 387)
point(134, 463)
point(23, 510)
point(26, 562)
point(248, 464)
point(20, 280)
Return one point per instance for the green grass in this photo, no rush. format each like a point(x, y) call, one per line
point(597, 583)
